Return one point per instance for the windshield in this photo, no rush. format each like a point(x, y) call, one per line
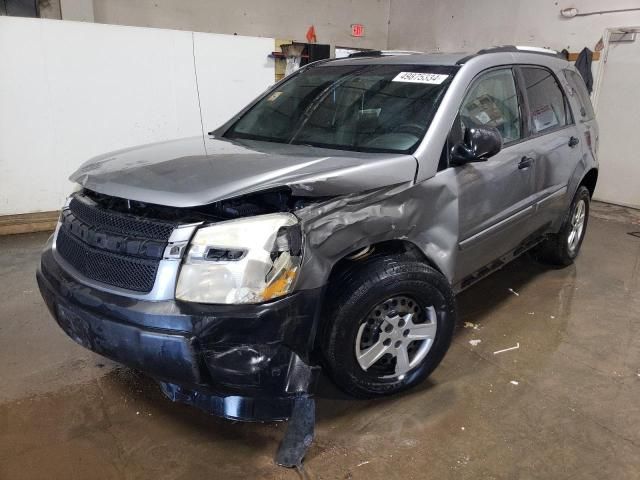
point(371, 108)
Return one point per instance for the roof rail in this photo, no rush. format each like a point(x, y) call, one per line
point(519, 48)
point(512, 49)
point(382, 53)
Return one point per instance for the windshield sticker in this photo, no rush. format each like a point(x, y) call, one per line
point(416, 77)
point(274, 96)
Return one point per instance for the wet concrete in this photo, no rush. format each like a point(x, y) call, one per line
point(563, 405)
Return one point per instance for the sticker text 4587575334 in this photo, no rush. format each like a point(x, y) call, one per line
point(417, 77)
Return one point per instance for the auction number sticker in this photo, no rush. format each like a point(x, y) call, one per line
point(416, 77)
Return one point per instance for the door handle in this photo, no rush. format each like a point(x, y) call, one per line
point(573, 141)
point(525, 162)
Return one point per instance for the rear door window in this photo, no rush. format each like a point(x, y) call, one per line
point(579, 89)
point(548, 108)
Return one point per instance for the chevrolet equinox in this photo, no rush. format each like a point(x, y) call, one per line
point(329, 225)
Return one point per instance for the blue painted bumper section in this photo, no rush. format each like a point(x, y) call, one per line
point(246, 362)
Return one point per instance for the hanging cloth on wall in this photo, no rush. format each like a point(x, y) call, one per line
point(583, 65)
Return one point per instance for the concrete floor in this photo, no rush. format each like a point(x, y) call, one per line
point(564, 405)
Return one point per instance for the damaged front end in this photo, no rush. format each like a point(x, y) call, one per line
point(221, 303)
point(201, 299)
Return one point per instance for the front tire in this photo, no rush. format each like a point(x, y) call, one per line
point(388, 326)
point(562, 248)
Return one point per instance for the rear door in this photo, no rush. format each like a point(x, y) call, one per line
point(583, 113)
point(495, 197)
point(554, 141)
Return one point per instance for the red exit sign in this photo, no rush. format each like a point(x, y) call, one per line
point(357, 30)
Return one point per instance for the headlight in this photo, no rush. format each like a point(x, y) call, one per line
point(249, 260)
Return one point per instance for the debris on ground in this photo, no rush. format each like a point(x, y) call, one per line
point(475, 326)
point(552, 317)
point(362, 463)
point(474, 343)
point(513, 382)
point(507, 349)
point(514, 292)
point(531, 313)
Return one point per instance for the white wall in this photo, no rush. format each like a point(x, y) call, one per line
point(76, 10)
point(232, 70)
point(70, 91)
point(467, 25)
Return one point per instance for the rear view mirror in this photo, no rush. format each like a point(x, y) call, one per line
point(480, 143)
point(368, 120)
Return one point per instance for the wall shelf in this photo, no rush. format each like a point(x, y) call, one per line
point(573, 56)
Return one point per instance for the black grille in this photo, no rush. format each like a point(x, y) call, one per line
point(122, 271)
point(98, 218)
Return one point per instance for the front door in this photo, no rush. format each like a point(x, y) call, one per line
point(496, 197)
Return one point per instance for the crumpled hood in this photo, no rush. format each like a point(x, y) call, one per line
point(190, 172)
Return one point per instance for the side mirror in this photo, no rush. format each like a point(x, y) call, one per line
point(480, 143)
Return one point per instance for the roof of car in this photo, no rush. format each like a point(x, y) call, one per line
point(516, 54)
point(403, 58)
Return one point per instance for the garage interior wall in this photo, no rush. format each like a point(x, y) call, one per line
point(72, 90)
point(42, 70)
point(463, 25)
point(278, 19)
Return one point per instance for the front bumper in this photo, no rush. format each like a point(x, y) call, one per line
point(246, 362)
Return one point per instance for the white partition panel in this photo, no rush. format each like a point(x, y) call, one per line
point(232, 71)
point(69, 91)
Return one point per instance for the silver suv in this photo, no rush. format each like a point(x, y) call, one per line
point(328, 225)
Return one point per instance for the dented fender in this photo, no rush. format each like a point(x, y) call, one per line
point(425, 214)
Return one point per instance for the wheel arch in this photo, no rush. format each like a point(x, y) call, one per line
point(347, 264)
point(387, 247)
point(589, 180)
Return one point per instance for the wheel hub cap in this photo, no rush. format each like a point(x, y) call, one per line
point(396, 337)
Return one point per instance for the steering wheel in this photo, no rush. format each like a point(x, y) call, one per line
point(411, 128)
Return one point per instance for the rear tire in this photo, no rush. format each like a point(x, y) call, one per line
point(562, 248)
point(393, 303)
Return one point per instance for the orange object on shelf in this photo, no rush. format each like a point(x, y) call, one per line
point(311, 35)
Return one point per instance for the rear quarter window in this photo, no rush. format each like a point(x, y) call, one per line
point(579, 90)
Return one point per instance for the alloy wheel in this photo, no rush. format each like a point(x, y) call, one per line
point(577, 226)
point(396, 336)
